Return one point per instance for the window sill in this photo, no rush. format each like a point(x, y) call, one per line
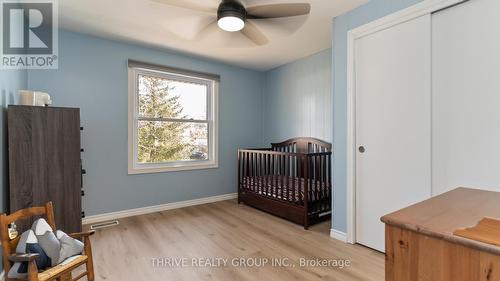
point(166, 169)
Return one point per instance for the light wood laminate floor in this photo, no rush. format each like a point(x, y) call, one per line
point(224, 230)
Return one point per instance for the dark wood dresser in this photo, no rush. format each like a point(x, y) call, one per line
point(45, 163)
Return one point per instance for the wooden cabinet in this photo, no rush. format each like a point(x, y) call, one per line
point(44, 162)
point(413, 256)
point(421, 246)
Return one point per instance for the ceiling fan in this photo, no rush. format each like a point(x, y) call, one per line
point(233, 16)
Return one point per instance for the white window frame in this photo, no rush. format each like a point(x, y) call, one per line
point(134, 167)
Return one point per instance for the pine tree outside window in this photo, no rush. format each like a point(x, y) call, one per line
point(172, 120)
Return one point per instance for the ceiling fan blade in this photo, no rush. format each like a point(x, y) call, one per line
point(189, 26)
point(278, 10)
point(207, 6)
point(253, 33)
point(208, 30)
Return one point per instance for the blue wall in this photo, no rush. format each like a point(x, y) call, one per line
point(341, 25)
point(92, 75)
point(298, 98)
point(11, 81)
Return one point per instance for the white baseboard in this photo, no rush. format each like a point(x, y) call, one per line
point(156, 209)
point(2, 276)
point(339, 235)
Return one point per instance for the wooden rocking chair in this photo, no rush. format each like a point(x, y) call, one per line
point(60, 272)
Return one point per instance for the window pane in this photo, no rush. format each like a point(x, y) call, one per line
point(160, 142)
point(165, 98)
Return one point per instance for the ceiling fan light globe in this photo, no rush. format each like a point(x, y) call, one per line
point(231, 23)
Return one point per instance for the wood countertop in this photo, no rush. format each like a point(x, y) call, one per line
point(440, 216)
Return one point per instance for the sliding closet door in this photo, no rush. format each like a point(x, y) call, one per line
point(393, 124)
point(466, 96)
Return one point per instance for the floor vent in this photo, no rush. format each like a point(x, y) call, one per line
point(104, 225)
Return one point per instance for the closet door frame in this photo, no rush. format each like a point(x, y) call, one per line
point(426, 7)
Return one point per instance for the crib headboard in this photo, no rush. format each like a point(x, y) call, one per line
point(302, 145)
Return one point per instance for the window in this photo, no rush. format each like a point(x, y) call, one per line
point(172, 119)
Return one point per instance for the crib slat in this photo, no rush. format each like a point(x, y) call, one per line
point(327, 182)
point(257, 179)
point(244, 179)
point(277, 178)
point(283, 179)
point(300, 179)
point(239, 170)
point(250, 171)
point(273, 175)
point(269, 173)
point(254, 185)
point(257, 172)
point(321, 183)
point(311, 177)
point(285, 187)
point(264, 174)
point(330, 181)
point(247, 170)
point(317, 180)
point(290, 179)
point(307, 180)
point(294, 177)
point(323, 180)
point(306, 184)
point(274, 178)
point(263, 171)
point(274, 189)
point(279, 186)
point(287, 175)
point(327, 166)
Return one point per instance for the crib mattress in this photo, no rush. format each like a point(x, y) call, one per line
point(285, 188)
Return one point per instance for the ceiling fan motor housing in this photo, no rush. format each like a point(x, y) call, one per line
point(231, 8)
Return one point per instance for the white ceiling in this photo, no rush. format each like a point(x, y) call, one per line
point(158, 25)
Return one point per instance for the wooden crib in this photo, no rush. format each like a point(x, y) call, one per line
point(292, 179)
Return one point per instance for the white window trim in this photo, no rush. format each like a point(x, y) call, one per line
point(213, 125)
